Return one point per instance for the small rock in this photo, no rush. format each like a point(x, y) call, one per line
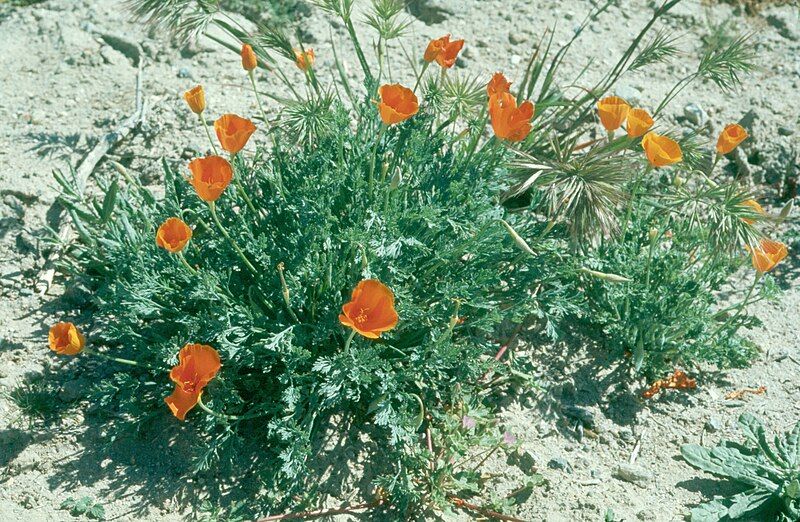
point(430, 11)
point(560, 464)
point(628, 93)
point(633, 474)
point(695, 114)
point(785, 131)
point(713, 425)
point(582, 415)
point(524, 461)
point(462, 63)
point(72, 390)
point(786, 28)
point(184, 72)
point(517, 38)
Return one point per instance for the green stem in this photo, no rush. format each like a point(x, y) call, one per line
point(636, 185)
point(226, 417)
point(117, 359)
point(240, 189)
point(740, 308)
point(208, 133)
point(375, 156)
point(285, 292)
point(359, 52)
point(349, 340)
point(421, 74)
point(234, 244)
point(186, 264)
point(258, 98)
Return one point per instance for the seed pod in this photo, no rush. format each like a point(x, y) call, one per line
point(397, 178)
point(678, 181)
point(614, 278)
point(653, 234)
point(521, 243)
point(786, 211)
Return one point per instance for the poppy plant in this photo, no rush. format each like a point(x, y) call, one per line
point(661, 150)
point(498, 84)
point(510, 122)
point(173, 235)
point(196, 99)
point(397, 103)
point(210, 176)
point(249, 60)
point(197, 365)
point(304, 60)
point(65, 339)
point(730, 138)
point(233, 132)
point(753, 204)
point(370, 311)
point(613, 111)
point(639, 122)
point(443, 51)
point(768, 254)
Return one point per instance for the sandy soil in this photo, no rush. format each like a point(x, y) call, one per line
point(63, 86)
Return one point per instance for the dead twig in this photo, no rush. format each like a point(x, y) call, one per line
point(308, 515)
point(93, 158)
point(739, 394)
point(463, 504)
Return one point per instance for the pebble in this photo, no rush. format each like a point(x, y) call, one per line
point(560, 464)
point(633, 474)
point(713, 425)
point(72, 390)
point(785, 131)
point(695, 114)
point(517, 38)
point(184, 72)
point(584, 416)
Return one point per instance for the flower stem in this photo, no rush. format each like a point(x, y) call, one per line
point(234, 244)
point(258, 98)
point(636, 186)
point(740, 308)
point(375, 155)
point(421, 74)
point(208, 133)
point(241, 191)
point(349, 340)
point(117, 359)
point(285, 292)
point(224, 416)
point(186, 264)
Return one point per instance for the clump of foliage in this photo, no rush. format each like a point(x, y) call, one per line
point(769, 475)
point(541, 224)
point(84, 506)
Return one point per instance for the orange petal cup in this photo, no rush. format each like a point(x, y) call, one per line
point(173, 235)
point(768, 254)
point(613, 111)
point(65, 339)
point(197, 365)
point(397, 103)
point(370, 311)
point(210, 176)
point(753, 204)
point(730, 138)
point(249, 60)
point(498, 85)
point(510, 122)
point(196, 99)
point(639, 122)
point(233, 132)
point(661, 151)
point(304, 61)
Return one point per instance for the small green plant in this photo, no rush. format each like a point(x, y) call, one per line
point(84, 506)
point(769, 475)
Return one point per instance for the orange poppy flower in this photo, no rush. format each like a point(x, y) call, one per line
point(304, 60)
point(370, 311)
point(397, 103)
point(249, 60)
point(661, 150)
point(197, 365)
point(443, 51)
point(768, 254)
point(210, 176)
point(510, 122)
point(639, 122)
point(196, 99)
point(730, 138)
point(612, 111)
point(65, 339)
point(233, 132)
point(173, 235)
point(753, 204)
point(498, 84)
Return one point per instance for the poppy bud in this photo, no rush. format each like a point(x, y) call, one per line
point(249, 60)
point(613, 278)
point(304, 61)
point(652, 234)
point(196, 99)
point(521, 243)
